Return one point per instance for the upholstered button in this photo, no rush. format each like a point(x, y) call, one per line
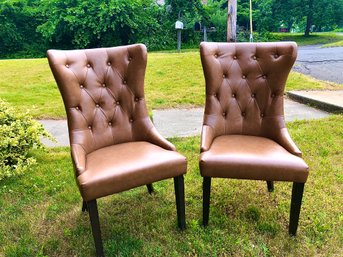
point(243, 114)
point(108, 63)
point(262, 114)
point(234, 95)
point(88, 65)
point(67, 65)
point(254, 57)
point(244, 77)
point(264, 76)
point(253, 95)
point(235, 57)
point(81, 86)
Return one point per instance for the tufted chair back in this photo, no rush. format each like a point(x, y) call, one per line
point(103, 94)
point(244, 87)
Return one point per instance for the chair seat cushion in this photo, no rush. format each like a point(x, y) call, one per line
point(251, 157)
point(124, 166)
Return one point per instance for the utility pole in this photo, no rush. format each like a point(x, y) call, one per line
point(231, 20)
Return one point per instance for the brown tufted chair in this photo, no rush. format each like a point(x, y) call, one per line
point(114, 145)
point(244, 134)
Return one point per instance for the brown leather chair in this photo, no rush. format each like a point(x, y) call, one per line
point(244, 134)
point(114, 145)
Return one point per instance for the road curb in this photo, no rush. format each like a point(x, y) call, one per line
point(329, 107)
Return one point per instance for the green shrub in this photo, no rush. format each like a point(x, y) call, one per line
point(19, 133)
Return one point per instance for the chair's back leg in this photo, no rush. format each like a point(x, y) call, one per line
point(150, 188)
point(94, 218)
point(297, 195)
point(84, 206)
point(180, 201)
point(270, 185)
point(206, 193)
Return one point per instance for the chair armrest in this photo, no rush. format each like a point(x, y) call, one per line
point(78, 155)
point(286, 141)
point(156, 138)
point(207, 136)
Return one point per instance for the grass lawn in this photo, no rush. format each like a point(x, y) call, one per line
point(313, 39)
point(335, 44)
point(172, 80)
point(41, 210)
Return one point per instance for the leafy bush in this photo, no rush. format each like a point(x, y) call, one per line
point(19, 133)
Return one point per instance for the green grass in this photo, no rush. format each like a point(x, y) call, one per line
point(172, 80)
point(41, 210)
point(313, 39)
point(335, 44)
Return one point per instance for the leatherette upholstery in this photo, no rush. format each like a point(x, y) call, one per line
point(245, 84)
point(103, 94)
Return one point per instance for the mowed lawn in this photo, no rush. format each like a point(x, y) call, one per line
point(172, 80)
point(41, 210)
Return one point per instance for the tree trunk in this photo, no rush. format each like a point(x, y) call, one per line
point(309, 18)
point(231, 20)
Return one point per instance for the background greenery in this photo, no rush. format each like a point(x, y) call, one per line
point(29, 27)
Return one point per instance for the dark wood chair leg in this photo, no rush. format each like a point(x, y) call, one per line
point(94, 218)
point(84, 206)
point(180, 201)
point(150, 188)
point(297, 195)
point(270, 185)
point(206, 189)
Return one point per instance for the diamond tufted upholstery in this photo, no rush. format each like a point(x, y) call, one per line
point(114, 145)
point(244, 134)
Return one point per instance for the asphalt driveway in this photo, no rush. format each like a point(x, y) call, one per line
point(321, 63)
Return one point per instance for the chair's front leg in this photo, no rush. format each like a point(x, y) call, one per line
point(180, 201)
point(297, 195)
point(206, 193)
point(94, 218)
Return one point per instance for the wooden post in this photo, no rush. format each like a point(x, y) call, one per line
point(231, 20)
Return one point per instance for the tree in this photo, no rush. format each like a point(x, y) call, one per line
point(85, 23)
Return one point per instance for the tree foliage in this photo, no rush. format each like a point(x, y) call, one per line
point(29, 27)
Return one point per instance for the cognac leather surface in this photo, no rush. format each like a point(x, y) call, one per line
point(251, 157)
point(103, 94)
point(124, 166)
point(244, 96)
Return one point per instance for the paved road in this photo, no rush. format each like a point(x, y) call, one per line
point(321, 63)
